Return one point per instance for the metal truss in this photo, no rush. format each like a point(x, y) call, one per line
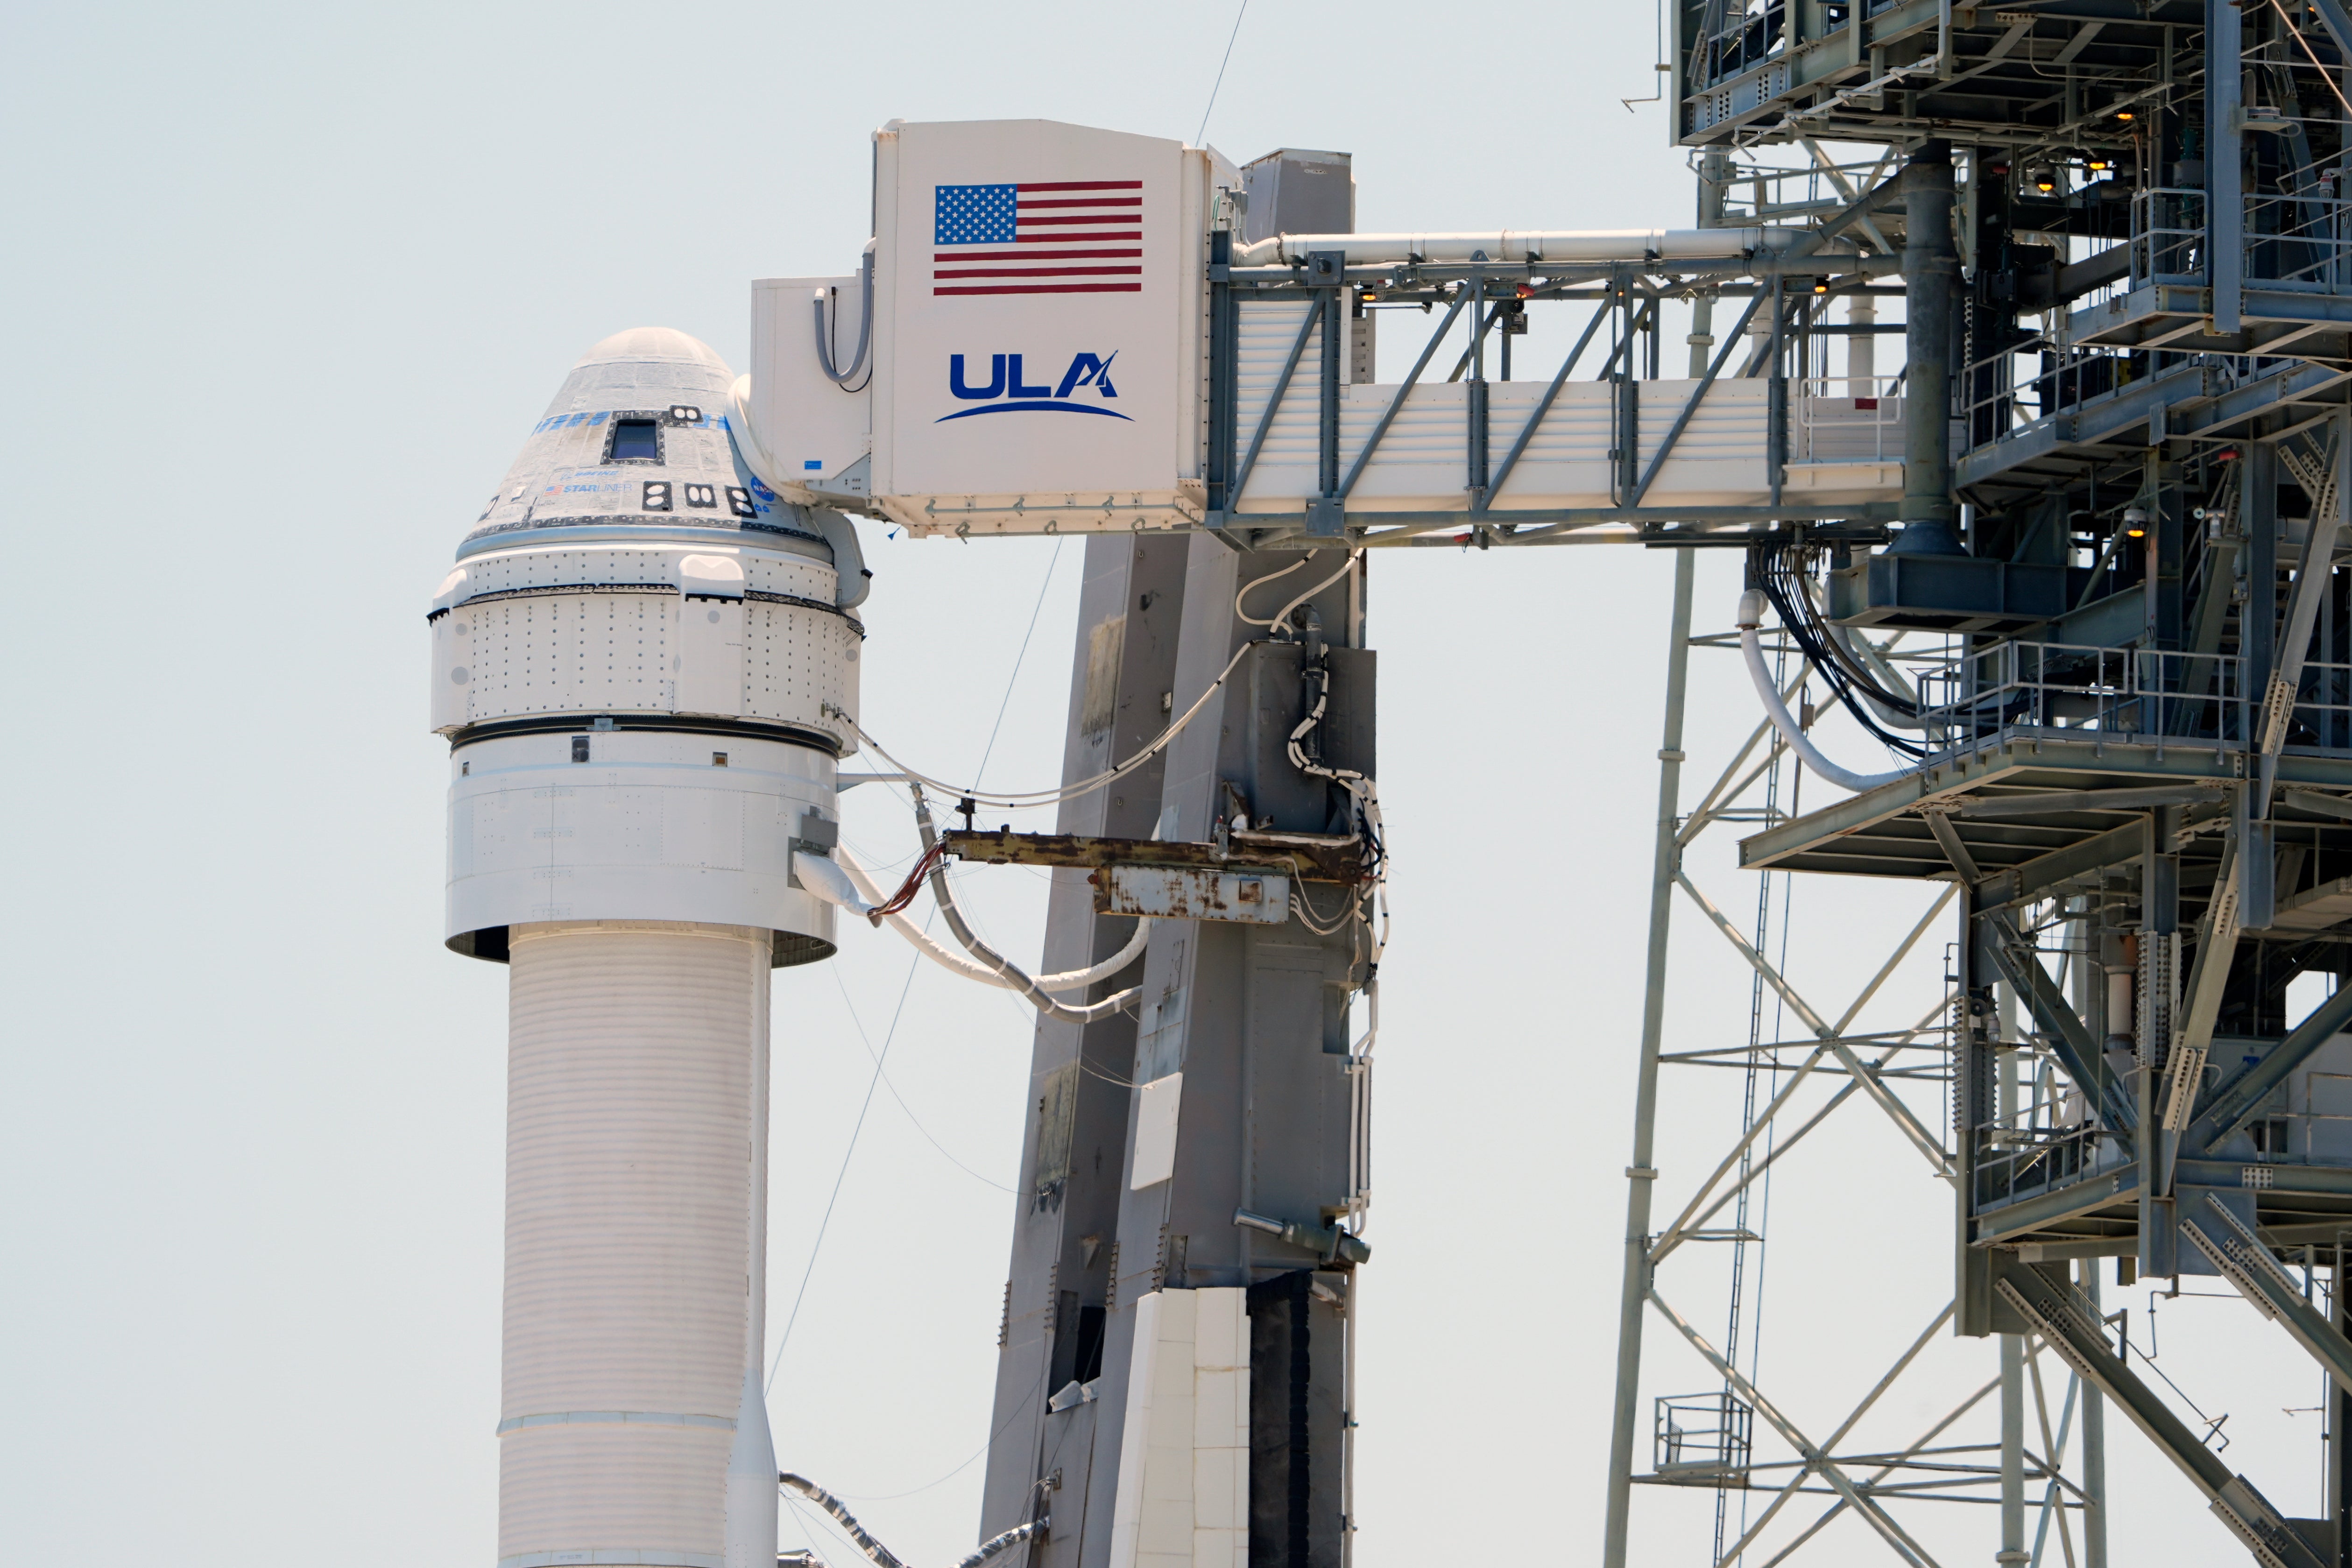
point(1791, 294)
point(2037, 1454)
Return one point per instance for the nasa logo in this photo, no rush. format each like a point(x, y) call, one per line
point(1007, 391)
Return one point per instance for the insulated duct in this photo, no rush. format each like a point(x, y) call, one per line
point(1579, 247)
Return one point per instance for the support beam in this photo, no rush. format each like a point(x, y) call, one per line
point(2234, 1105)
point(1534, 420)
point(2338, 24)
point(2184, 1075)
point(1640, 1177)
point(2225, 204)
point(2085, 800)
point(2246, 1263)
point(2074, 1331)
point(1817, 1460)
point(2070, 1038)
point(1869, 1081)
point(1930, 270)
point(2311, 576)
point(2094, 1447)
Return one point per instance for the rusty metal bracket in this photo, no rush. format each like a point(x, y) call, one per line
point(1308, 857)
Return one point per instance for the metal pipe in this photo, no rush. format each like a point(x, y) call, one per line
point(2012, 1440)
point(1639, 1175)
point(1587, 245)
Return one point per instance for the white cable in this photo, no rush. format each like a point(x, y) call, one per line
point(1368, 798)
point(1282, 613)
point(1306, 913)
point(1751, 648)
point(1071, 980)
point(1886, 715)
point(1001, 974)
point(1021, 798)
point(1260, 582)
point(1015, 980)
point(1017, 799)
point(915, 934)
point(848, 865)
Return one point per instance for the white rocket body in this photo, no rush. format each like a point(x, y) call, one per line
point(642, 662)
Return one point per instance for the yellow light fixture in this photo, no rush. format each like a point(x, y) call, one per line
point(2136, 523)
point(2124, 114)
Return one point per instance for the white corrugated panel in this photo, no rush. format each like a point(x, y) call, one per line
point(1422, 463)
point(1264, 332)
point(629, 1174)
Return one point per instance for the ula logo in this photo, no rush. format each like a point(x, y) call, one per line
point(1005, 389)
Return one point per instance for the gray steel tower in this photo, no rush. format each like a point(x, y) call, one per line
point(1181, 1238)
point(2121, 721)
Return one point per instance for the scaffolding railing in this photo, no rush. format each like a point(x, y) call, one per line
point(1703, 1435)
point(2322, 707)
point(2168, 236)
point(1848, 419)
point(1982, 694)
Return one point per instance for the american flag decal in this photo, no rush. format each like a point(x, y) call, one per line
point(1064, 236)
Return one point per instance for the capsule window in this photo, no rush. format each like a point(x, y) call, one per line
point(579, 748)
point(635, 441)
point(718, 759)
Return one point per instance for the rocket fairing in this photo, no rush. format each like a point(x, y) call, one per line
point(646, 663)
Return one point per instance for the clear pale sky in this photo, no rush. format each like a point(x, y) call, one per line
point(289, 286)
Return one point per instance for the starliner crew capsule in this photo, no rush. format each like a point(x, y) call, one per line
point(643, 663)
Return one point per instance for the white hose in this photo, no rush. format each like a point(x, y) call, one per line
point(1864, 654)
point(915, 934)
point(1751, 648)
point(1079, 979)
point(832, 883)
point(1013, 979)
point(1072, 980)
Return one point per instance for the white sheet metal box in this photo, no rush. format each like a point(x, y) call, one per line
point(813, 431)
point(1039, 301)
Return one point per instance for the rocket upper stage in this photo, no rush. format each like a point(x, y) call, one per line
point(646, 665)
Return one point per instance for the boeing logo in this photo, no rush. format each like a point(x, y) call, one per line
point(1006, 390)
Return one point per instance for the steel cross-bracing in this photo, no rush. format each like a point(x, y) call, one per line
point(2075, 566)
point(1723, 1442)
point(2122, 750)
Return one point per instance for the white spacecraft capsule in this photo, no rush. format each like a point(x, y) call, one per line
point(643, 662)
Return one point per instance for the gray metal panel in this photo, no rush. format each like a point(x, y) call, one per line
point(1296, 192)
point(1252, 1016)
point(1067, 1208)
